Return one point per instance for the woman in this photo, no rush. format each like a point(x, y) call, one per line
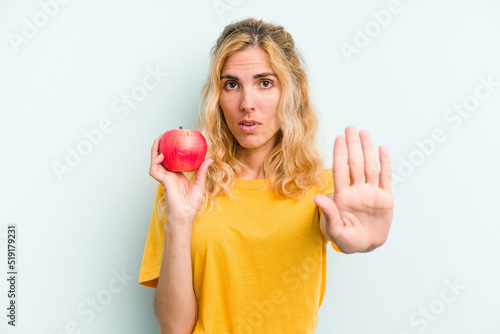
point(262, 204)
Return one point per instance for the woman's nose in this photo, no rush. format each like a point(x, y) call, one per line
point(247, 101)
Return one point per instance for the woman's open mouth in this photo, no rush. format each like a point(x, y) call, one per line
point(249, 126)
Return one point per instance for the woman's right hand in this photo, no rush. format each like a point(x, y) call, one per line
point(182, 198)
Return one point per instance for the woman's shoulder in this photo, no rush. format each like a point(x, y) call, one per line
point(327, 174)
point(326, 187)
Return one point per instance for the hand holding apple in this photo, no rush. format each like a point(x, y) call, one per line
point(184, 150)
point(182, 198)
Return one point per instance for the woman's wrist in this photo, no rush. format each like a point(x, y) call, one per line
point(178, 226)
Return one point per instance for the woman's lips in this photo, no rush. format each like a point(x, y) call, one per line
point(249, 128)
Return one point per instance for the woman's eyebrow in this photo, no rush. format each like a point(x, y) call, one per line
point(257, 76)
point(228, 76)
point(265, 74)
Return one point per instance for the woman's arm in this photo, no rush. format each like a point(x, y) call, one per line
point(175, 304)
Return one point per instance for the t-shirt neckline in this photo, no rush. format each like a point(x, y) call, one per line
point(250, 184)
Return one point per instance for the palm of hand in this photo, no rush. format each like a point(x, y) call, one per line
point(359, 216)
point(364, 213)
point(184, 195)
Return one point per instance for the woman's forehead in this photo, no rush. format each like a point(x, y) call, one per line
point(253, 58)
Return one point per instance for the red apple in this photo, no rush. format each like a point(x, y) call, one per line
point(183, 150)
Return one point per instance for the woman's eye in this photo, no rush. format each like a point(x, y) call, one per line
point(266, 83)
point(231, 85)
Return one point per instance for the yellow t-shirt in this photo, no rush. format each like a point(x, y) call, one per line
point(259, 262)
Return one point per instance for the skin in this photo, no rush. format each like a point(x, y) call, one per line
point(358, 216)
point(250, 90)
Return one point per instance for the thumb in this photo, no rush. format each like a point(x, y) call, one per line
point(325, 203)
point(201, 174)
point(330, 212)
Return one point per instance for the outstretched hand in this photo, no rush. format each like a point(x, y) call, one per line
point(359, 216)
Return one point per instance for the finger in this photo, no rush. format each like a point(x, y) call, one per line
point(331, 213)
point(385, 169)
point(159, 159)
point(355, 156)
point(154, 149)
point(340, 168)
point(371, 163)
point(157, 170)
point(156, 158)
point(201, 174)
point(325, 204)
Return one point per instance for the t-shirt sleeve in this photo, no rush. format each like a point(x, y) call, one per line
point(153, 250)
point(329, 189)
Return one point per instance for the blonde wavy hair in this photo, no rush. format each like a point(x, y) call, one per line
point(294, 165)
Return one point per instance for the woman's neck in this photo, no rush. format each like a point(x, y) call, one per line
point(253, 161)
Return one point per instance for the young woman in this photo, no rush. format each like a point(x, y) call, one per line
point(242, 248)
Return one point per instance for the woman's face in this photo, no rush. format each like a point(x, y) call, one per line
point(250, 96)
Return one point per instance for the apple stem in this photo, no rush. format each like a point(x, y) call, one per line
point(180, 127)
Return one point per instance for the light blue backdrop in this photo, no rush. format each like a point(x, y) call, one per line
point(86, 86)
